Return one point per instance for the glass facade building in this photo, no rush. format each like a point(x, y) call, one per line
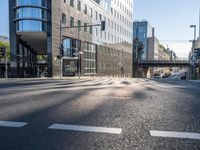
point(35, 34)
point(31, 15)
point(142, 31)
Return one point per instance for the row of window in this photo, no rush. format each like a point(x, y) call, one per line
point(99, 17)
point(32, 2)
point(112, 52)
point(120, 17)
point(29, 12)
point(129, 3)
point(110, 66)
point(31, 25)
point(124, 8)
point(97, 33)
point(90, 58)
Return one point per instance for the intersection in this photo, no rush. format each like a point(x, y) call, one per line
point(99, 113)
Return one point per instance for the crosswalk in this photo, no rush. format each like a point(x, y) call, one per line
point(89, 83)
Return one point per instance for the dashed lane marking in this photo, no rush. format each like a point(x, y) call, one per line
point(184, 135)
point(86, 128)
point(12, 124)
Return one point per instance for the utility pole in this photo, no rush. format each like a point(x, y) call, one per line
point(193, 49)
point(6, 63)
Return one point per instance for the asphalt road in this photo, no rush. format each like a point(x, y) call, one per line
point(136, 106)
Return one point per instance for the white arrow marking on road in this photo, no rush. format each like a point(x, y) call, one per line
point(183, 135)
point(86, 128)
point(12, 124)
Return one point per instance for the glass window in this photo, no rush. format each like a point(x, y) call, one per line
point(85, 8)
point(31, 25)
point(91, 11)
point(64, 20)
point(29, 12)
point(79, 5)
point(32, 2)
point(71, 21)
point(85, 27)
point(90, 29)
point(89, 58)
point(79, 25)
point(72, 3)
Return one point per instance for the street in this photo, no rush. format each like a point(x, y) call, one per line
point(99, 114)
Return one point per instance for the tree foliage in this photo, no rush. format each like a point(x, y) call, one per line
point(7, 45)
point(162, 46)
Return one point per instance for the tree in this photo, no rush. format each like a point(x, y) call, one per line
point(7, 45)
point(162, 46)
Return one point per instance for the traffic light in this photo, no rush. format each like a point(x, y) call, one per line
point(103, 25)
point(2, 52)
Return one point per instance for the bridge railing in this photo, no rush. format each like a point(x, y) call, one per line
point(165, 61)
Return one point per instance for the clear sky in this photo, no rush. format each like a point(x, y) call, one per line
point(171, 19)
point(4, 26)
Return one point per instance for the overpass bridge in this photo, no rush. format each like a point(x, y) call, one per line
point(163, 63)
point(141, 67)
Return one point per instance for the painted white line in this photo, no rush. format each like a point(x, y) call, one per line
point(86, 128)
point(12, 124)
point(183, 135)
point(168, 86)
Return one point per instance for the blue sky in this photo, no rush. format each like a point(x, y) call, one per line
point(4, 26)
point(171, 19)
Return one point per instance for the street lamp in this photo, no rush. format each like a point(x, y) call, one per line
point(79, 57)
point(121, 63)
point(194, 26)
point(193, 49)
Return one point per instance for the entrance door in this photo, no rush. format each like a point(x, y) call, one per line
point(70, 67)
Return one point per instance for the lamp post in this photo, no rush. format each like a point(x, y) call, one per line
point(79, 57)
point(193, 49)
point(121, 63)
point(193, 26)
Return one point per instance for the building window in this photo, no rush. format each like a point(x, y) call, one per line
point(79, 5)
point(85, 8)
point(100, 16)
point(91, 12)
point(96, 15)
point(72, 3)
point(90, 29)
point(89, 58)
point(85, 27)
point(64, 20)
point(96, 32)
point(71, 22)
point(79, 25)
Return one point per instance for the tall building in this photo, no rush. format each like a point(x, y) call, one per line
point(142, 30)
point(35, 37)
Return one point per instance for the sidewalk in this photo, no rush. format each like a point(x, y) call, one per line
point(197, 81)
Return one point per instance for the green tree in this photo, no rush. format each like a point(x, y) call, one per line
point(7, 45)
point(162, 46)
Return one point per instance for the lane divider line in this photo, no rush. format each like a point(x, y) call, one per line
point(12, 124)
point(184, 135)
point(85, 128)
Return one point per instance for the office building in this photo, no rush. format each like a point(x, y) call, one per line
point(142, 30)
point(35, 37)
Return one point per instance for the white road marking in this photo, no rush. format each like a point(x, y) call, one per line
point(167, 86)
point(86, 128)
point(184, 135)
point(12, 124)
